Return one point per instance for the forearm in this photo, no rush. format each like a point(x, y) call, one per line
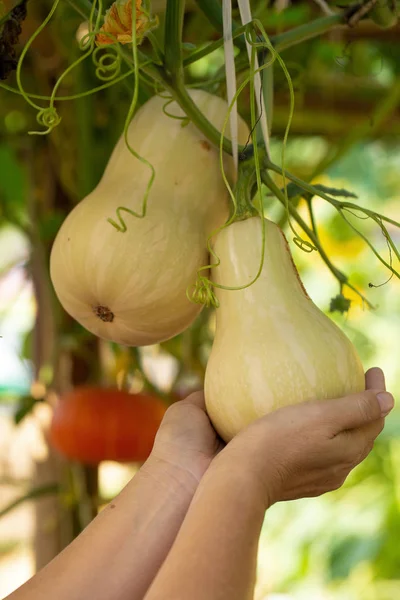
point(120, 552)
point(215, 554)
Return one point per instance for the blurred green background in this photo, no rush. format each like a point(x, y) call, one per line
point(345, 133)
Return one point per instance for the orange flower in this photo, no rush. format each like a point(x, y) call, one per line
point(118, 23)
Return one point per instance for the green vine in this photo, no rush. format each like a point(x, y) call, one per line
point(163, 69)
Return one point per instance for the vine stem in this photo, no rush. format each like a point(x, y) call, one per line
point(339, 275)
point(280, 42)
point(317, 192)
point(213, 12)
point(180, 94)
point(300, 34)
point(174, 15)
point(211, 47)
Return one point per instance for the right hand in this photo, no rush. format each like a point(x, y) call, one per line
point(186, 439)
point(308, 449)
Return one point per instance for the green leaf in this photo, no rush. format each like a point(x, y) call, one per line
point(294, 190)
point(335, 192)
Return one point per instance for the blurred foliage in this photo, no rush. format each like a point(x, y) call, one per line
point(342, 546)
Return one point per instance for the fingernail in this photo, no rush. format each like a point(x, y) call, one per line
point(386, 402)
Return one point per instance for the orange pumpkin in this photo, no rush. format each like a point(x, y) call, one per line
point(92, 424)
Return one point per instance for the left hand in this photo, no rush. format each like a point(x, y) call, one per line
point(186, 439)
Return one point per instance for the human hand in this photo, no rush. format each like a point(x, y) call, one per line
point(186, 439)
point(309, 449)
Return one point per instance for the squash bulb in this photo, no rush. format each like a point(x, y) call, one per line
point(273, 346)
point(130, 287)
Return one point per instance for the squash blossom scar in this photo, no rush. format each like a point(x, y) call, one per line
point(104, 313)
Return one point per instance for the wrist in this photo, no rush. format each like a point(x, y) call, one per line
point(171, 475)
point(190, 464)
point(238, 474)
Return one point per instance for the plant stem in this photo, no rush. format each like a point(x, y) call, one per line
point(312, 217)
point(297, 35)
point(173, 38)
point(267, 179)
point(339, 275)
point(198, 54)
point(213, 12)
point(211, 47)
point(280, 42)
point(268, 164)
point(181, 95)
point(307, 31)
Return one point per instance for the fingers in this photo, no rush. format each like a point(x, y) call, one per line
point(375, 379)
point(357, 410)
point(356, 444)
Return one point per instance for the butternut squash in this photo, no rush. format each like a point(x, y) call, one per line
point(273, 346)
point(131, 287)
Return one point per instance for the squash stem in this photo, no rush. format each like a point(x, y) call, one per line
point(180, 94)
point(243, 193)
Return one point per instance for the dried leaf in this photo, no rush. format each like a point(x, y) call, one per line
point(118, 23)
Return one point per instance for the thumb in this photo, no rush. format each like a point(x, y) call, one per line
point(357, 410)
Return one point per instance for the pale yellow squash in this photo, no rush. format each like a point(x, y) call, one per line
point(131, 287)
point(273, 346)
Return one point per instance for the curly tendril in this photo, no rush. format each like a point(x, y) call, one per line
point(107, 63)
point(73, 96)
point(372, 247)
point(266, 44)
point(202, 293)
point(184, 119)
point(42, 112)
point(49, 118)
point(120, 224)
point(108, 68)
